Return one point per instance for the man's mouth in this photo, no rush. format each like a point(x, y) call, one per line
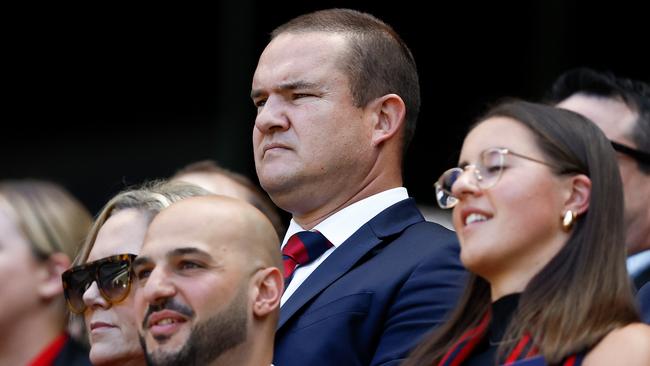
point(163, 324)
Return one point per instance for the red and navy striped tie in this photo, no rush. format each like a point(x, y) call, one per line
point(302, 247)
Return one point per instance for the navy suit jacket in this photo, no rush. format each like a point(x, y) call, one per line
point(643, 297)
point(375, 297)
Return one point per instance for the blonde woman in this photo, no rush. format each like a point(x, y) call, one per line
point(41, 228)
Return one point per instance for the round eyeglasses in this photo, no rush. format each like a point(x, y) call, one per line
point(486, 174)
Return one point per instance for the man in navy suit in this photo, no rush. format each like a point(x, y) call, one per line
point(337, 97)
point(621, 108)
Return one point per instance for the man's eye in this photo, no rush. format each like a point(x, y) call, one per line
point(260, 103)
point(189, 265)
point(301, 95)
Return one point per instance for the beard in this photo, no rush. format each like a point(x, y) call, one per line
point(208, 340)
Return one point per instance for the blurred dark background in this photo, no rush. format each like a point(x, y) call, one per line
point(101, 97)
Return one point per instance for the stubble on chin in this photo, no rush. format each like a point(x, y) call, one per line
point(207, 340)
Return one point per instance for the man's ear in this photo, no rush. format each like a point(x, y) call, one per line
point(389, 112)
point(269, 284)
point(579, 194)
point(49, 275)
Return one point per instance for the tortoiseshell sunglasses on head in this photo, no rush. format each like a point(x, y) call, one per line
point(113, 276)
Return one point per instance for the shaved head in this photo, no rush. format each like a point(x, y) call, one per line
point(209, 283)
point(221, 220)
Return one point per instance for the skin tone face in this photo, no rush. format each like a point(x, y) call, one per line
point(217, 184)
point(518, 228)
point(617, 122)
point(17, 263)
point(308, 135)
point(112, 328)
point(195, 277)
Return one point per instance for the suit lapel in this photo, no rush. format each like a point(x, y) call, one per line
point(389, 222)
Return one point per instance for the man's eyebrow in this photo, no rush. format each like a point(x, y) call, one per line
point(141, 260)
point(293, 85)
point(187, 250)
point(300, 84)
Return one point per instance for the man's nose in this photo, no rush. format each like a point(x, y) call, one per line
point(159, 286)
point(272, 116)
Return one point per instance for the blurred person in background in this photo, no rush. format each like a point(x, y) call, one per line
point(41, 228)
point(208, 175)
point(621, 109)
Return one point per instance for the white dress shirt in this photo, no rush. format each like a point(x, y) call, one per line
point(636, 263)
point(339, 227)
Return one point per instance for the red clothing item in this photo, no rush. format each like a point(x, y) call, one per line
point(48, 355)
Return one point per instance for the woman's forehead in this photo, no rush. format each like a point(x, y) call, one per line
point(500, 132)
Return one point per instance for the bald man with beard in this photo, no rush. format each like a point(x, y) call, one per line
point(208, 284)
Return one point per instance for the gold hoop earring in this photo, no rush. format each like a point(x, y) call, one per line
point(568, 219)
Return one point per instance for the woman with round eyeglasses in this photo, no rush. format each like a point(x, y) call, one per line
point(98, 285)
point(538, 210)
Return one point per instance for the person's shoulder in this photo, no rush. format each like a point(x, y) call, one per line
point(431, 235)
point(431, 227)
point(623, 346)
point(427, 247)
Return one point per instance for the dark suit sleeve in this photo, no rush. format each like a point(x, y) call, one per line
point(425, 299)
point(643, 297)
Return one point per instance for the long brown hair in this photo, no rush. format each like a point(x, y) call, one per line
point(583, 293)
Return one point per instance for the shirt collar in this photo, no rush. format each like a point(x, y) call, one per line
point(636, 263)
point(341, 225)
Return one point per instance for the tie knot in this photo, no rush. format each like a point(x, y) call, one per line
point(302, 247)
point(305, 246)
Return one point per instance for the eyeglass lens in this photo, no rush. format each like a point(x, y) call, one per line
point(486, 175)
point(113, 279)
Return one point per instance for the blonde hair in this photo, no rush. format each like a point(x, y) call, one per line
point(52, 220)
point(151, 198)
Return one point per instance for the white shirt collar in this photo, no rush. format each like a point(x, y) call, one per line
point(638, 262)
point(341, 225)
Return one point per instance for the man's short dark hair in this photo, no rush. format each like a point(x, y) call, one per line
point(377, 61)
point(634, 93)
